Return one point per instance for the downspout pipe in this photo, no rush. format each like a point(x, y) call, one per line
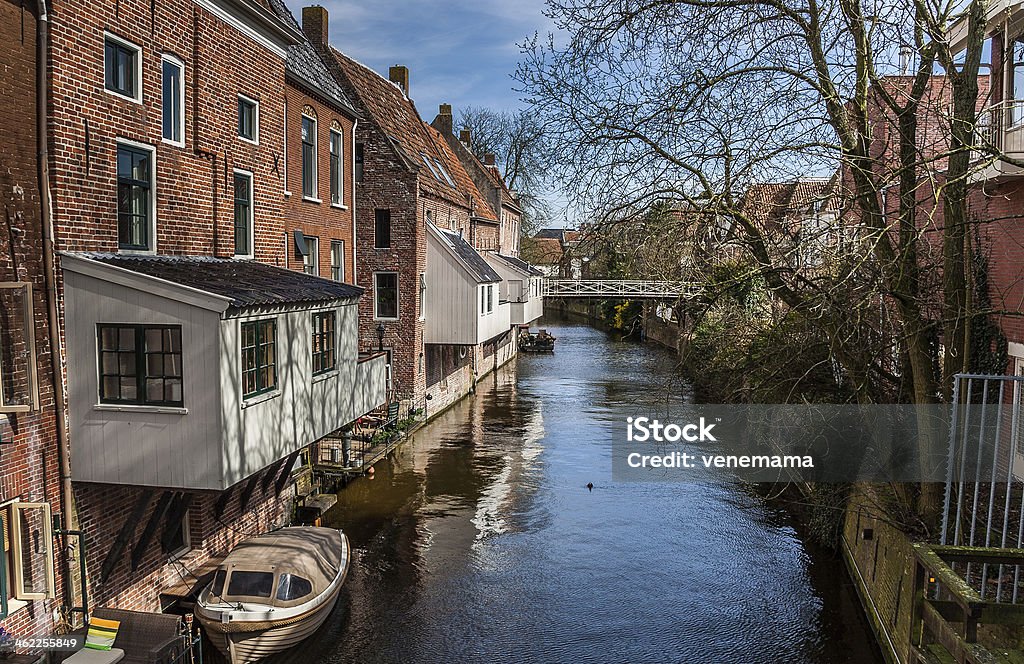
point(50, 280)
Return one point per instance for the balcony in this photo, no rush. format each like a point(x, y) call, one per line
point(1000, 126)
point(195, 373)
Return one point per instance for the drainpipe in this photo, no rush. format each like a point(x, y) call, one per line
point(354, 262)
point(50, 279)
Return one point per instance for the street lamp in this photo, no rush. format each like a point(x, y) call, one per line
point(380, 337)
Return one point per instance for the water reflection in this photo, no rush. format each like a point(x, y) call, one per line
point(479, 541)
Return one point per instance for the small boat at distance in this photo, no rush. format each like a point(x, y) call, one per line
point(542, 342)
point(274, 590)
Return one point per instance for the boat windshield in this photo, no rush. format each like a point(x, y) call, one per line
point(291, 587)
point(250, 584)
point(217, 587)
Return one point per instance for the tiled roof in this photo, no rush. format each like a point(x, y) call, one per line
point(476, 264)
point(542, 250)
point(305, 65)
point(397, 117)
point(549, 234)
point(458, 172)
point(520, 265)
point(783, 203)
point(246, 283)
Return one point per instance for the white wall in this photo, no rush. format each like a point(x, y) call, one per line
point(141, 444)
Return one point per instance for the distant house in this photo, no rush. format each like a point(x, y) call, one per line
point(488, 180)
point(421, 222)
point(545, 254)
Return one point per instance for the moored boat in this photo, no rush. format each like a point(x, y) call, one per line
point(273, 591)
point(542, 342)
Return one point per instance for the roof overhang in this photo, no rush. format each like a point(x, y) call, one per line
point(144, 283)
point(997, 13)
point(255, 21)
point(439, 237)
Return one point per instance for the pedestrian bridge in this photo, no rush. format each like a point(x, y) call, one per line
point(619, 288)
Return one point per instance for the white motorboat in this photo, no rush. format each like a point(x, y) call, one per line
point(273, 591)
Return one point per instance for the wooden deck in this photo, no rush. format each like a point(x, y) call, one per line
point(191, 582)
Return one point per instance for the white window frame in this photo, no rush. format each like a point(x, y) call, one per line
point(152, 199)
point(423, 296)
point(252, 212)
point(483, 299)
point(340, 184)
point(341, 256)
point(315, 166)
point(312, 256)
point(167, 57)
point(285, 155)
point(138, 66)
point(255, 140)
point(46, 537)
point(398, 295)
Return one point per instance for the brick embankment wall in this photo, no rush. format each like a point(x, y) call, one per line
point(881, 563)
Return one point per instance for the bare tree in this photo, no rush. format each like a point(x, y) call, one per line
point(698, 100)
point(520, 147)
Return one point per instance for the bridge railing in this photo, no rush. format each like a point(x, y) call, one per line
point(618, 288)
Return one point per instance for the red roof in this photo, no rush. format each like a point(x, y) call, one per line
point(396, 116)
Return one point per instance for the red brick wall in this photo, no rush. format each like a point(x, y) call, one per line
point(106, 508)
point(321, 220)
point(194, 184)
point(28, 441)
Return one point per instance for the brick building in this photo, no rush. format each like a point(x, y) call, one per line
point(318, 164)
point(32, 582)
point(198, 367)
point(417, 213)
point(488, 180)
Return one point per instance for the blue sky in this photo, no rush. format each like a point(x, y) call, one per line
point(461, 52)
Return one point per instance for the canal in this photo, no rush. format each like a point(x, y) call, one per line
point(480, 542)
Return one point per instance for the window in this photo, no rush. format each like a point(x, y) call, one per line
point(483, 301)
point(337, 169)
point(490, 297)
point(308, 157)
point(248, 119)
point(140, 364)
point(311, 259)
point(291, 587)
point(217, 587)
point(359, 162)
point(179, 541)
point(285, 155)
point(173, 100)
point(243, 214)
point(122, 64)
point(134, 197)
point(323, 342)
point(423, 295)
point(430, 167)
point(338, 260)
point(259, 359)
point(381, 229)
point(385, 294)
point(250, 584)
point(443, 172)
point(26, 566)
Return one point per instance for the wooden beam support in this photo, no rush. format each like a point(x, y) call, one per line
point(222, 502)
point(271, 474)
point(286, 472)
point(125, 534)
point(247, 491)
point(147, 535)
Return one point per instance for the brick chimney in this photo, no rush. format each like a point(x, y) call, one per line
point(466, 137)
point(315, 24)
point(443, 122)
point(488, 159)
point(399, 75)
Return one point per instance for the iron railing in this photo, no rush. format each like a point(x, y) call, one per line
point(619, 288)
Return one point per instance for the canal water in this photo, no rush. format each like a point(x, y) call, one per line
point(480, 542)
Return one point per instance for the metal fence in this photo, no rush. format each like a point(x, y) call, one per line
point(984, 493)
